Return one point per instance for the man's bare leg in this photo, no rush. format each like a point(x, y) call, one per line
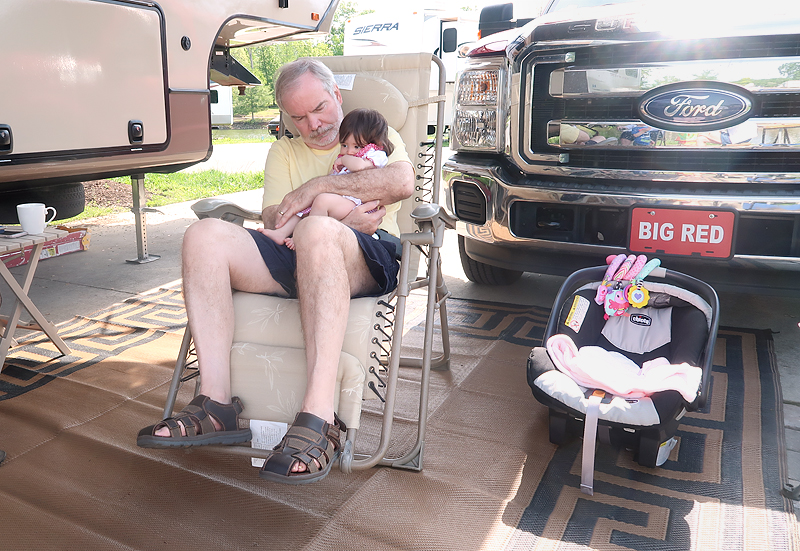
point(330, 269)
point(217, 257)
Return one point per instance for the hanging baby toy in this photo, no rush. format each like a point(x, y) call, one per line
point(636, 293)
point(616, 297)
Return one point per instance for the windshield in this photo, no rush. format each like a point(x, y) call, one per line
point(558, 5)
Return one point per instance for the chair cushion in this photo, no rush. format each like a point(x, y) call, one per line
point(275, 321)
point(268, 356)
point(271, 382)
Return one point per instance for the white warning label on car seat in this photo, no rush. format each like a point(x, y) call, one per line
point(580, 305)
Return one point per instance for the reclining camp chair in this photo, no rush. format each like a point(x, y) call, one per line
point(679, 322)
point(268, 366)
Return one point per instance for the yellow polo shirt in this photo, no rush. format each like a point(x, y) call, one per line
point(291, 163)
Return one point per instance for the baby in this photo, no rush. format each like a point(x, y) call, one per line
point(365, 144)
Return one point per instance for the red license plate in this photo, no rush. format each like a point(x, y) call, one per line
point(682, 232)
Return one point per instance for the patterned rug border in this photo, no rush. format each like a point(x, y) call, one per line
point(742, 509)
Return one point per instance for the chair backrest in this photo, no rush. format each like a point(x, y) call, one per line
point(398, 87)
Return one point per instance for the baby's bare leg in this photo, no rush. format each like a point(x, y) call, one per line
point(331, 204)
point(281, 234)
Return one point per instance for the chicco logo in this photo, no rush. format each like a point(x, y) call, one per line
point(641, 319)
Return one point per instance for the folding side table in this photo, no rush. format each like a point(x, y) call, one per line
point(21, 291)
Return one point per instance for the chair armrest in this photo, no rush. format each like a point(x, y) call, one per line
point(431, 211)
point(224, 210)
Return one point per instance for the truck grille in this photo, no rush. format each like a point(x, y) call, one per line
point(601, 93)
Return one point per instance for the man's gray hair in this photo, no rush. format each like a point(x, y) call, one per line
point(289, 73)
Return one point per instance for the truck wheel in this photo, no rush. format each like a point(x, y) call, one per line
point(485, 274)
point(68, 200)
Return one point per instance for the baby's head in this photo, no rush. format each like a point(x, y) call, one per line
point(366, 126)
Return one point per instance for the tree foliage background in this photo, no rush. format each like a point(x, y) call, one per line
point(264, 60)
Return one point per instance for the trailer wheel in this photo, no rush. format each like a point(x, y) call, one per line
point(68, 199)
point(485, 274)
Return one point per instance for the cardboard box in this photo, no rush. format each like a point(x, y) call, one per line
point(76, 240)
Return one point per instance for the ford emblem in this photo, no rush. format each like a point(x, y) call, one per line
point(699, 106)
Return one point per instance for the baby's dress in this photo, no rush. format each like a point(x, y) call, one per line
point(370, 152)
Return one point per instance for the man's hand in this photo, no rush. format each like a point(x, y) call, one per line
point(293, 202)
point(361, 219)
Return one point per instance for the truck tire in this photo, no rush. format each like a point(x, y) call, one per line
point(68, 200)
point(485, 274)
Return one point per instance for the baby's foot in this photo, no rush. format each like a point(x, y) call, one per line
point(289, 243)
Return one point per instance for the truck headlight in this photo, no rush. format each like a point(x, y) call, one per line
point(478, 87)
point(479, 109)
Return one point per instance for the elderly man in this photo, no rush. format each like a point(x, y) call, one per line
point(332, 262)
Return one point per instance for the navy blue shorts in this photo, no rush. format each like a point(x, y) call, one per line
point(379, 255)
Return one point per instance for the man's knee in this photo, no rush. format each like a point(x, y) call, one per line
point(318, 231)
point(204, 229)
point(208, 235)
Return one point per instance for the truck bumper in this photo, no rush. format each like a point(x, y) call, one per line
point(523, 223)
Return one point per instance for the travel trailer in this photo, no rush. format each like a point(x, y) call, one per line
point(435, 31)
point(102, 88)
point(221, 100)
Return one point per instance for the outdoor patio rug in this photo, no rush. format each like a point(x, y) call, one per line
point(74, 478)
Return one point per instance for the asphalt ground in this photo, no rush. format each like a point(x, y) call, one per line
point(87, 281)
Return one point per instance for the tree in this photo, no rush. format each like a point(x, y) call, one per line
point(255, 99)
point(264, 61)
point(344, 11)
point(706, 74)
point(790, 70)
point(267, 59)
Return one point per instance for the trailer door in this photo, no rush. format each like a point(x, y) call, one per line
point(80, 75)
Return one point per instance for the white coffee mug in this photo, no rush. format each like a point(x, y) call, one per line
point(32, 217)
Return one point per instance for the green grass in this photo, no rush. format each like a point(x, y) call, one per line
point(225, 136)
point(94, 211)
point(187, 186)
point(165, 189)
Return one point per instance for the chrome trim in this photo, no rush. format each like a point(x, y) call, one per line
point(567, 57)
point(501, 195)
point(669, 176)
point(504, 194)
point(761, 78)
point(755, 134)
point(611, 82)
point(483, 234)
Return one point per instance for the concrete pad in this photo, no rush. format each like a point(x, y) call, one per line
point(233, 158)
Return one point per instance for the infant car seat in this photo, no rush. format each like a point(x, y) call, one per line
point(586, 374)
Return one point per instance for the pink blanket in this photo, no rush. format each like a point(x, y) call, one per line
point(595, 367)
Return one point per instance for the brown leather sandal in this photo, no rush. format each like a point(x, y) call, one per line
point(196, 421)
point(310, 440)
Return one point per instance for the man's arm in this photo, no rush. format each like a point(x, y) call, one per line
point(387, 185)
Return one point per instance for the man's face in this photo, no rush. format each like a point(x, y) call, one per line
point(316, 114)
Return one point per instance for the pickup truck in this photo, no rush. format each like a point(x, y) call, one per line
point(101, 88)
point(670, 130)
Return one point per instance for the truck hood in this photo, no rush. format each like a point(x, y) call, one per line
point(646, 20)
